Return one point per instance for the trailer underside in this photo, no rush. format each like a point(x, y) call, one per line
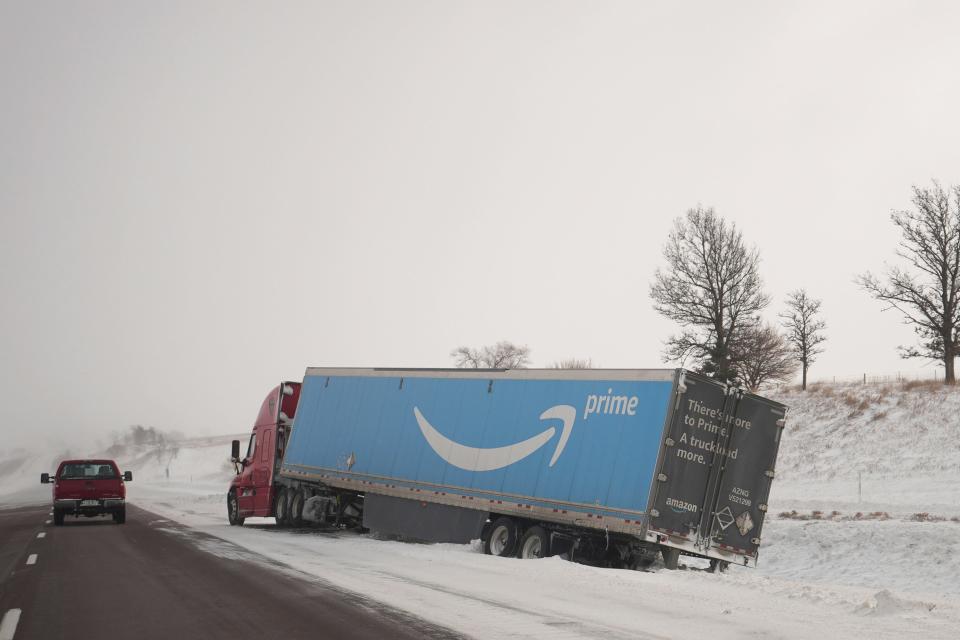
point(515, 531)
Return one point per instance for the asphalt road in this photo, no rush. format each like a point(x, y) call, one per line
point(151, 578)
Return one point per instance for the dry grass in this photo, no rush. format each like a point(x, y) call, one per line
point(849, 399)
point(829, 389)
point(857, 404)
point(923, 385)
point(834, 515)
point(821, 389)
point(926, 517)
point(860, 515)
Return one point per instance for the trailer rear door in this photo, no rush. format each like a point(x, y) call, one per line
point(684, 471)
point(740, 488)
point(716, 467)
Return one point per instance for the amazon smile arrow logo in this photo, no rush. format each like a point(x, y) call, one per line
point(479, 459)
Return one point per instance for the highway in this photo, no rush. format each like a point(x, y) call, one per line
point(153, 578)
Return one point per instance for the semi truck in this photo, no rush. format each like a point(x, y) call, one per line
point(609, 467)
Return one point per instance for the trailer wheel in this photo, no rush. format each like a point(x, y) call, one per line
point(503, 538)
point(535, 544)
point(296, 508)
point(233, 510)
point(281, 509)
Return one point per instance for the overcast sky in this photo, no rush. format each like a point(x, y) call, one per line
point(200, 199)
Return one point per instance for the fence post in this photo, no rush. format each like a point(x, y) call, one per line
point(864, 378)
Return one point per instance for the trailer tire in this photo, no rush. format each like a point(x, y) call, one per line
point(535, 544)
point(296, 509)
point(281, 509)
point(233, 510)
point(502, 538)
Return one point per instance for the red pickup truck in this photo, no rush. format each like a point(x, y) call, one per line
point(88, 488)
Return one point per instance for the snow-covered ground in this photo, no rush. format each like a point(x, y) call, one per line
point(863, 540)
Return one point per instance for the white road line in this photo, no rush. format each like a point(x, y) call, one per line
point(42, 534)
point(32, 558)
point(48, 522)
point(9, 625)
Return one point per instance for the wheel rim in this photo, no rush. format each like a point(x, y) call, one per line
point(498, 540)
point(233, 507)
point(533, 548)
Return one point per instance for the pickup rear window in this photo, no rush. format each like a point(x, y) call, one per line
point(88, 470)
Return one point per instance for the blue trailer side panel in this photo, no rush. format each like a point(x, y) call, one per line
point(580, 445)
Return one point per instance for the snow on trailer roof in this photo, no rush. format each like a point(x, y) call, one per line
point(660, 375)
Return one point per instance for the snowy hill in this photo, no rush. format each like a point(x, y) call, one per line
point(889, 447)
point(883, 429)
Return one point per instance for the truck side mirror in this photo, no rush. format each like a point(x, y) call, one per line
point(44, 478)
point(235, 450)
point(128, 476)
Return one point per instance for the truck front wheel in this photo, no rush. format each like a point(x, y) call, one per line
point(281, 508)
point(233, 509)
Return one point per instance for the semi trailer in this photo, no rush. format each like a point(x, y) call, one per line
point(608, 467)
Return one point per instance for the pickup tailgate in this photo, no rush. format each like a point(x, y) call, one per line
point(87, 488)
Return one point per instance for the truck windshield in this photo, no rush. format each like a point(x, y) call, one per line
point(88, 470)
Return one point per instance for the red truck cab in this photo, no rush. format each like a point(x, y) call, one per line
point(88, 488)
point(253, 491)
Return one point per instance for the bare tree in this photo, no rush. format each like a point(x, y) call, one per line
point(763, 356)
point(927, 292)
point(573, 363)
point(804, 329)
point(711, 287)
point(503, 355)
